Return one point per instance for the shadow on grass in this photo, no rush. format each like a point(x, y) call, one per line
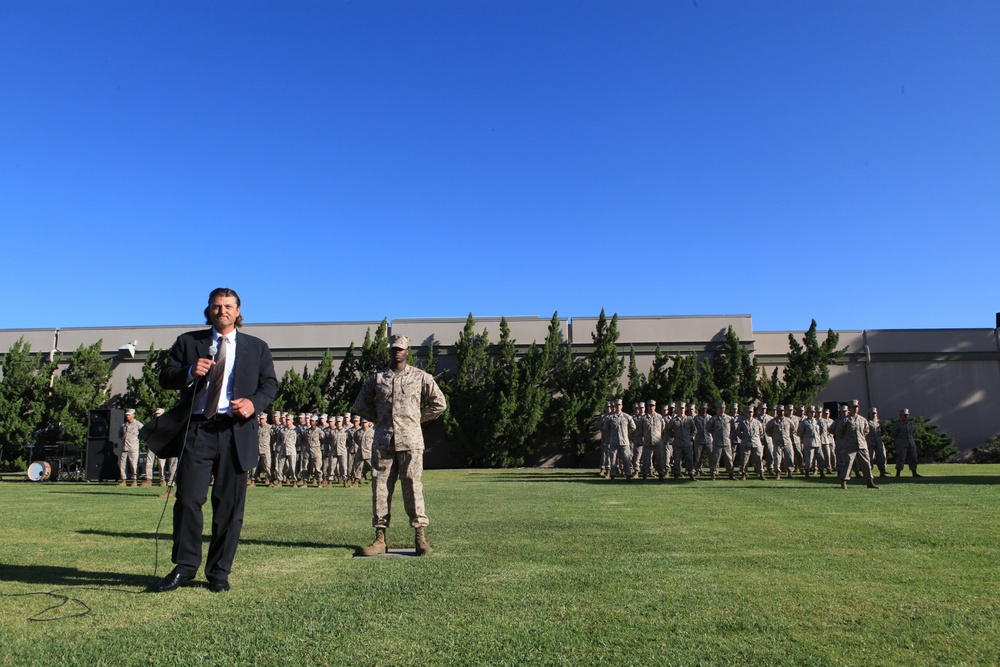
point(206, 538)
point(830, 480)
point(49, 575)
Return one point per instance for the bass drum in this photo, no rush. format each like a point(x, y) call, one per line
point(39, 471)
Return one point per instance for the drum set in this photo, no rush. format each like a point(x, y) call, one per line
point(63, 469)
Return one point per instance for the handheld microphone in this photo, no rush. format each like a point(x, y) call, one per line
point(213, 350)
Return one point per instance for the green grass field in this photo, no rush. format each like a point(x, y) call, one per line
point(531, 567)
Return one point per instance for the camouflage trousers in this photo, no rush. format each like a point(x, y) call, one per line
point(129, 457)
point(830, 454)
point(878, 454)
point(652, 458)
point(788, 453)
point(698, 451)
point(361, 464)
point(605, 456)
point(724, 450)
point(906, 454)
point(282, 460)
point(263, 464)
point(683, 458)
point(846, 460)
point(813, 455)
point(621, 456)
point(745, 453)
point(387, 467)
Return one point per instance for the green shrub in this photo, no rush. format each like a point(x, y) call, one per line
point(988, 453)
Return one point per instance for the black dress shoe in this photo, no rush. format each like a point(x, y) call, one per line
point(172, 581)
point(218, 585)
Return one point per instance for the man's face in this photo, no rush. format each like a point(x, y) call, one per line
point(853, 410)
point(223, 312)
point(399, 355)
point(905, 417)
point(130, 418)
point(720, 411)
point(364, 426)
point(618, 408)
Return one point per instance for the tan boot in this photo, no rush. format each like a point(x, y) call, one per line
point(121, 483)
point(420, 542)
point(135, 484)
point(147, 482)
point(163, 482)
point(378, 546)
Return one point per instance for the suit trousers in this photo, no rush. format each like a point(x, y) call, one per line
point(210, 452)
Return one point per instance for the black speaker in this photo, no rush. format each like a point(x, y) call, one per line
point(104, 437)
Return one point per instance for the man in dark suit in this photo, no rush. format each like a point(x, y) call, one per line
point(225, 377)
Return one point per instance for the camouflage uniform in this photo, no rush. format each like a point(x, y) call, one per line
point(638, 437)
point(652, 446)
point(130, 450)
point(314, 443)
point(289, 437)
point(721, 426)
point(905, 435)
point(338, 450)
point(683, 431)
point(809, 432)
point(780, 430)
point(397, 403)
point(264, 436)
point(703, 440)
point(851, 433)
point(363, 439)
point(826, 440)
point(796, 441)
point(750, 431)
point(876, 446)
point(605, 448)
point(619, 427)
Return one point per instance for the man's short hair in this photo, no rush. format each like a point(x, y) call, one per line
point(223, 291)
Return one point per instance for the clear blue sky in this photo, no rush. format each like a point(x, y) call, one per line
point(343, 161)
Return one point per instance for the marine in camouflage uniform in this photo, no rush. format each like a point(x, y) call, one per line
point(652, 446)
point(605, 449)
point(851, 433)
point(703, 440)
point(130, 448)
point(683, 431)
point(314, 443)
point(763, 417)
point(289, 436)
point(876, 446)
point(780, 430)
point(750, 431)
point(363, 439)
point(904, 432)
point(796, 441)
point(338, 449)
point(721, 427)
point(263, 452)
point(810, 432)
point(826, 431)
point(619, 426)
point(638, 412)
point(397, 400)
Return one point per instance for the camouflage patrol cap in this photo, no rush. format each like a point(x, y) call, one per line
point(843, 408)
point(302, 415)
point(262, 415)
point(705, 405)
point(682, 404)
point(651, 402)
point(736, 406)
point(874, 409)
point(313, 418)
point(339, 419)
point(130, 411)
point(855, 403)
point(399, 341)
point(812, 408)
point(356, 418)
point(324, 416)
point(790, 408)
point(720, 404)
point(904, 411)
point(619, 401)
point(347, 416)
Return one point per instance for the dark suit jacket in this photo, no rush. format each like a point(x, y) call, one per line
point(253, 378)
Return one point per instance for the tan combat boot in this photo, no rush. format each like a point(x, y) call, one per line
point(420, 542)
point(378, 546)
point(121, 483)
point(147, 482)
